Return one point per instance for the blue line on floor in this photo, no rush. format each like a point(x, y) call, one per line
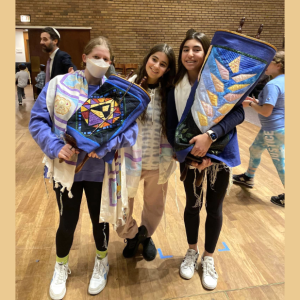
point(226, 247)
point(162, 256)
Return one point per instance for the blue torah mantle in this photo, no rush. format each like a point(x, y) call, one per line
point(233, 65)
point(110, 111)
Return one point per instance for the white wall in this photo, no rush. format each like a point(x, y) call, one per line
point(19, 44)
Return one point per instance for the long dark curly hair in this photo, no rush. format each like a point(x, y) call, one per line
point(166, 81)
point(190, 35)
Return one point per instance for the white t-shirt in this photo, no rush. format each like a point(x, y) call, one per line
point(52, 58)
point(22, 77)
point(182, 92)
point(151, 132)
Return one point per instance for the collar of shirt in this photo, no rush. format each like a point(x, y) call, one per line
point(53, 54)
point(52, 58)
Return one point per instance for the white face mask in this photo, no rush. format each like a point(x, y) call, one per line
point(97, 67)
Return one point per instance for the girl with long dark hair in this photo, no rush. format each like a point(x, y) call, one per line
point(151, 157)
point(192, 54)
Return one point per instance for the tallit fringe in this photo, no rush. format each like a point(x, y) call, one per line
point(202, 196)
point(57, 182)
point(61, 204)
point(213, 171)
point(230, 181)
point(46, 187)
point(105, 240)
point(210, 176)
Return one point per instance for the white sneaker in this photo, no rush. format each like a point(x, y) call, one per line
point(189, 264)
point(209, 276)
point(99, 277)
point(58, 283)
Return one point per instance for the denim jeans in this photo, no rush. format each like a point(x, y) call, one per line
point(21, 94)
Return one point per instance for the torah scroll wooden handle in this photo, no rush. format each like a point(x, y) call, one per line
point(239, 30)
point(143, 80)
point(184, 172)
point(199, 175)
point(71, 141)
point(130, 74)
point(260, 29)
point(79, 167)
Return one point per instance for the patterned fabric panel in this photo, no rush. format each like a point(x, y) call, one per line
point(75, 83)
point(100, 112)
point(225, 78)
point(108, 112)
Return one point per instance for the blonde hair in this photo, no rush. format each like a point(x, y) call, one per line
point(279, 59)
point(98, 41)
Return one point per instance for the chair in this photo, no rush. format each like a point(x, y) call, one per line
point(129, 67)
point(120, 69)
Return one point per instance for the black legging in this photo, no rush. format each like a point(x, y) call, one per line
point(70, 215)
point(214, 199)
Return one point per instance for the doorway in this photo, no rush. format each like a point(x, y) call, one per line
point(73, 41)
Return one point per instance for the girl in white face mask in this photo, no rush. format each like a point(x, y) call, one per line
point(96, 60)
point(64, 93)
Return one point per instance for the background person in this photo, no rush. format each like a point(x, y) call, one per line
point(40, 79)
point(270, 108)
point(59, 62)
point(22, 78)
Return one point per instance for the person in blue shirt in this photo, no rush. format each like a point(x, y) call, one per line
point(44, 128)
point(40, 79)
point(190, 60)
point(270, 109)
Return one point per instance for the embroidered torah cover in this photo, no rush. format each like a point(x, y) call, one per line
point(107, 113)
point(232, 67)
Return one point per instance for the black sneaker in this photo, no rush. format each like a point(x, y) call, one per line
point(244, 180)
point(278, 200)
point(20, 103)
point(133, 244)
point(149, 249)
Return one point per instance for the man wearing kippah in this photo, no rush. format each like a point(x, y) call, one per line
point(59, 62)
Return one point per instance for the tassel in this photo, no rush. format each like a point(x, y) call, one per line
point(46, 187)
point(50, 176)
point(202, 195)
point(124, 210)
point(214, 169)
point(70, 195)
point(194, 185)
point(56, 185)
point(204, 186)
point(230, 182)
point(61, 204)
point(105, 240)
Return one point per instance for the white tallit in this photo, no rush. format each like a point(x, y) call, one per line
point(182, 92)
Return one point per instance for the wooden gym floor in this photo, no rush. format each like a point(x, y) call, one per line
point(253, 231)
